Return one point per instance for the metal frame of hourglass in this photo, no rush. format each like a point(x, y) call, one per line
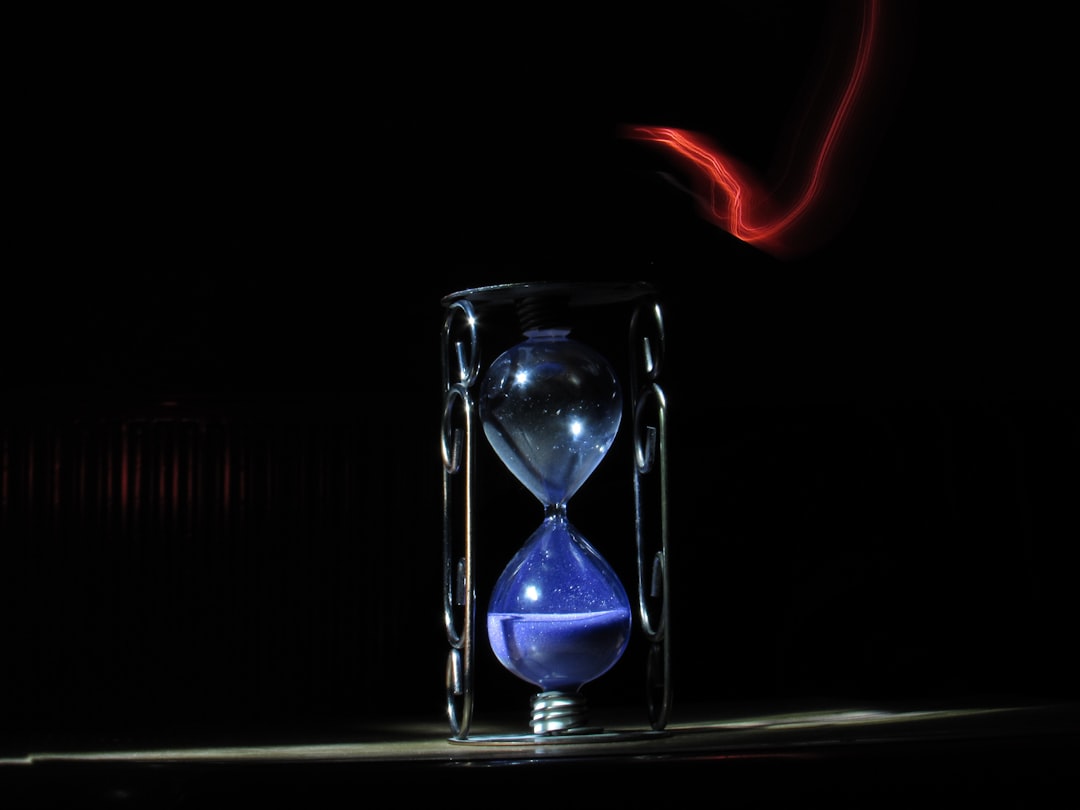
point(557, 716)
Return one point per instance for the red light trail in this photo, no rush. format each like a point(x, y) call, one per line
point(801, 209)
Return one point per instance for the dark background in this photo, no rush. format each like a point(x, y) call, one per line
point(221, 498)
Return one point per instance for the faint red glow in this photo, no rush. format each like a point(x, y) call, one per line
point(56, 477)
point(226, 476)
point(123, 475)
point(800, 209)
point(4, 463)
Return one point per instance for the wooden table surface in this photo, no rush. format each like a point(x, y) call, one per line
point(854, 755)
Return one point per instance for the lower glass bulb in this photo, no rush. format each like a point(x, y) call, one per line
point(558, 617)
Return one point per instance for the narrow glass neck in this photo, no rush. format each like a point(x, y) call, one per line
point(555, 511)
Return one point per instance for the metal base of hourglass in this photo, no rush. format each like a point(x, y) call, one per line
point(557, 718)
point(559, 712)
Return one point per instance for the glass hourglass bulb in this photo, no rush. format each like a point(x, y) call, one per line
point(558, 616)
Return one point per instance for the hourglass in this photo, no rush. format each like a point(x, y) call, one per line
point(558, 617)
point(550, 407)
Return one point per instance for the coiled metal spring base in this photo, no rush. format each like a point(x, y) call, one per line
point(560, 717)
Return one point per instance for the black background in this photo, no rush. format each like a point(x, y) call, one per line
point(246, 228)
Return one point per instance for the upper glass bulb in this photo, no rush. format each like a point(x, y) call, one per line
point(551, 407)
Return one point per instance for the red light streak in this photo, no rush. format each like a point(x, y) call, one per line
point(800, 210)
